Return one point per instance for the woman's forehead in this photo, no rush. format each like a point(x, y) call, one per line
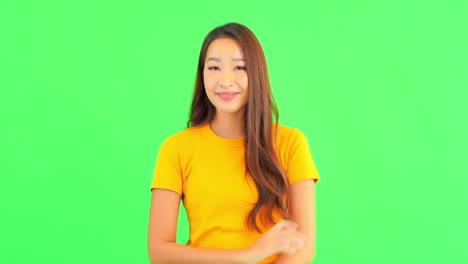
point(224, 49)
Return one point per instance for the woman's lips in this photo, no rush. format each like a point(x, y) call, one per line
point(226, 96)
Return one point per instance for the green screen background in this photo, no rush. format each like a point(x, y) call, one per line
point(90, 89)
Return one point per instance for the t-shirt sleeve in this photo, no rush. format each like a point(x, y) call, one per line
point(168, 172)
point(301, 165)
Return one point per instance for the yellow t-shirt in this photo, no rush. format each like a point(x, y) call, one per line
point(208, 171)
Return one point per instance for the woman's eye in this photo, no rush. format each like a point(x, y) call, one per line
point(217, 68)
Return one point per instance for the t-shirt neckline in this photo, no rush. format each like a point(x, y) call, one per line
point(235, 142)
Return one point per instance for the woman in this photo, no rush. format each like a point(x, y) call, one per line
point(247, 185)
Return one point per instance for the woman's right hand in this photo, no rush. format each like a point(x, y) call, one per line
point(283, 237)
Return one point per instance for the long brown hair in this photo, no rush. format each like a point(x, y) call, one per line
point(260, 156)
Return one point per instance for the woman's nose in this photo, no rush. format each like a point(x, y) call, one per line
point(226, 84)
point(227, 80)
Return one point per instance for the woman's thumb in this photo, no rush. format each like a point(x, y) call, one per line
point(285, 224)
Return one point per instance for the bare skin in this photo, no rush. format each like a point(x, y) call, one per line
point(224, 71)
point(281, 238)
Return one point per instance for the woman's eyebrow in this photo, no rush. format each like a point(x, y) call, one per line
point(218, 59)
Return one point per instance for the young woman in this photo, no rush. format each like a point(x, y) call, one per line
point(248, 185)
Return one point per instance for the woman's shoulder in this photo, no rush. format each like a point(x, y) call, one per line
point(290, 138)
point(186, 135)
point(287, 132)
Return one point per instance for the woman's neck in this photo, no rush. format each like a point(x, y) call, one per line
point(228, 125)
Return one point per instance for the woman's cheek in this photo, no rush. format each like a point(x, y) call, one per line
point(209, 80)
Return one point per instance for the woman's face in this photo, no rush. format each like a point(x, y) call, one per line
point(225, 74)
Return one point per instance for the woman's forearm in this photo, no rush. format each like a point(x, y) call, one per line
point(173, 253)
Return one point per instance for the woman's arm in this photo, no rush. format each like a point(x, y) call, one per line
point(302, 211)
point(171, 252)
point(162, 246)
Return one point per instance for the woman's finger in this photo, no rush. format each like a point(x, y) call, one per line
point(284, 224)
